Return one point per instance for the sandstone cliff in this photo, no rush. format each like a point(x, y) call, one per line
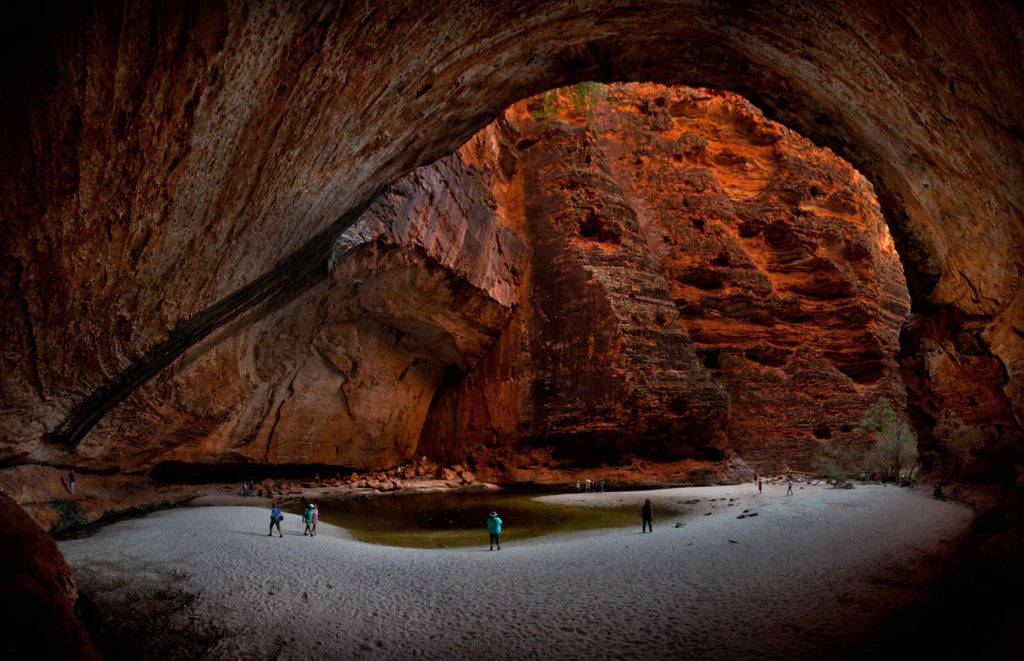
point(626, 275)
point(699, 273)
point(343, 373)
point(173, 169)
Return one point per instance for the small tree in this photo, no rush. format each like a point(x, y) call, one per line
point(836, 460)
point(895, 446)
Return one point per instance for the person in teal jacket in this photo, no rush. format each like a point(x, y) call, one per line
point(307, 518)
point(494, 530)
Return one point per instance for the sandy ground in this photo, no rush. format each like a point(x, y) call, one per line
point(808, 573)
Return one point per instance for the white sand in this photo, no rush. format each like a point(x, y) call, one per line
point(810, 571)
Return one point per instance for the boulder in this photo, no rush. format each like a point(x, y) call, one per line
point(37, 594)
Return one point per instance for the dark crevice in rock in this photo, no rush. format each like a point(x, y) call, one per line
point(277, 416)
point(33, 347)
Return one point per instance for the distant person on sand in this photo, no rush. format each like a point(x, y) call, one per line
point(757, 477)
point(760, 487)
point(316, 517)
point(275, 520)
point(307, 518)
point(647, 514)
point(789, 489)
point(494, 530)
point(590, 484)
point(577, 485)
point(602, 486)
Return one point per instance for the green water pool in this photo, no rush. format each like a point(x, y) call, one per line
point(458, 519)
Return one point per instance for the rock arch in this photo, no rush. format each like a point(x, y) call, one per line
point(171, 171)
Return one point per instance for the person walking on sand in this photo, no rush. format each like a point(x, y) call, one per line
point(577, 486)
point(275, 520)
point(760, 487)
point(494, 530)
point(316, 517)
point(602, 486)
point(647, 514)
point(307, 518)
point(789, 487)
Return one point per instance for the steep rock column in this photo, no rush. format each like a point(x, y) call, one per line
point(597, 368)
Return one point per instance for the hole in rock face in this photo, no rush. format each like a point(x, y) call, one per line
point(727, 233)
point(559, 293)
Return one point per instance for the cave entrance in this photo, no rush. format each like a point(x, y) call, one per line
point(699, 279)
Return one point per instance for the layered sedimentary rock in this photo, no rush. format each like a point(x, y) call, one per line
point(170, 170)
point(678, 235)
point(596, 367)
point(342, 375)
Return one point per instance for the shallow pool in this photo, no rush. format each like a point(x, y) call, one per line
point(459, 519)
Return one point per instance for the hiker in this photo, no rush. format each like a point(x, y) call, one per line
point(590, 484)
point(789, 490)
point(757, 477)
point(307, 518)
point(647, 514)
point(71, 481)
point(577, 486)
point(602, 486)
point(494, 530)
point(316, 517)
point(759, 486)
point(245, 488)
point(275, 520)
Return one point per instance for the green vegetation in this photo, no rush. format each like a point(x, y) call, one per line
point(482, 192)
point(837, 460)
point(579, 99)
point(893, 448)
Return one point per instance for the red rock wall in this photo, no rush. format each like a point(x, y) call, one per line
point(171, 169)
point(342, 375)
point(37, 594)
point(683, 248)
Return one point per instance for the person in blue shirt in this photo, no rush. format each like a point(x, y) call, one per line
point(494, 530)
point(275, 520)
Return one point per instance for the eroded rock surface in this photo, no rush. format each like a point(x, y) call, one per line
point(344, 374)
point(698, 273)
point(170, 171)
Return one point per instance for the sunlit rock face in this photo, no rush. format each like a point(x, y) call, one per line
point(343, 374)
point(173, 173)
point(677, 235)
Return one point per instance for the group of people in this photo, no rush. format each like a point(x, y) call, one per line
point(248, 488)
point(310, 517)
point(760, 484)
point(589, 485)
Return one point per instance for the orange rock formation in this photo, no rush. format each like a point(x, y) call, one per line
point(677, 235)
